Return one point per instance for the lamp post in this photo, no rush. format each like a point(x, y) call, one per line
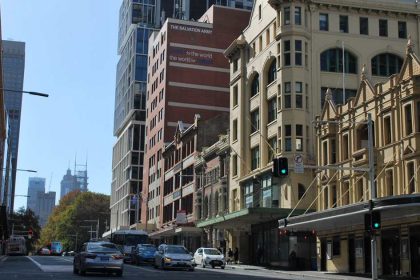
point(25, 91)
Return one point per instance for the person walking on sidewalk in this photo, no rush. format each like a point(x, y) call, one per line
point(236, 255)
point(230, 256)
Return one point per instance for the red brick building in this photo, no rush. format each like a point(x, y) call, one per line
point(187, 75)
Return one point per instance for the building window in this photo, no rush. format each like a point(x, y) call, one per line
point(255, 85)
point(267, 36)
point(288, 138)
point(344, 24)
point(402, 29)
point(389, 181)
point(326, 199)
point(235, 96)
point(301, 191)
point(337, 95)
point(323, 22)
point(286, 15)
point(235, 65)
point(345, 193)
point(360, 190)
point(298, 96)
point(364, 25)
point(383, 27)
point(345, 146)
point(272, 72)
point(287, 95)
point(334, 196)
point(255, 120)
point(255, 158)
point(386, 64)
point(259, 11)
point(408, 120)
point(286, 53)
point(298, 15)
point(332, 61)
point(387, 130)
point(235, 165)
point(336, 246)
point(411, 177)
point(272, 149)
point(272, 109)
point(299, 137)
point(298, 52)
point(235, 130)
point(333, 152)
point(325, 153)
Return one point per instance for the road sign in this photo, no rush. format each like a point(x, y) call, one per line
point(299, 163)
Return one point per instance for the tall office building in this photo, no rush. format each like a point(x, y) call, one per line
point(35, 185)
point(76, 181)
point(45, 206)
point(13, 73)
point(137, 20)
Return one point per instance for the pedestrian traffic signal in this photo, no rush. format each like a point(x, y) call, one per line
point(376, 220)
point(280, 167)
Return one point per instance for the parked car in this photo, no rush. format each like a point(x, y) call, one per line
point(69, 253)
point(209, 256)
point(98, 257)
point(173, 256)
point(143, 253)
point(44, 252)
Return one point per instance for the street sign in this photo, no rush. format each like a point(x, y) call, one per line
point(299, 164)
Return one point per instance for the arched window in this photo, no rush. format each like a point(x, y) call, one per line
point(255, 85)
point(272, 72)
point(386, 64)
point(301, 191)
point(332, 61)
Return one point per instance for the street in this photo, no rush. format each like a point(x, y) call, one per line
point(41, 267)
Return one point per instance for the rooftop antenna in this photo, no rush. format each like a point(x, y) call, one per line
point(49, 186)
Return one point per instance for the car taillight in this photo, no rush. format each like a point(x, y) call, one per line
point(90, 256)
point(117, 257)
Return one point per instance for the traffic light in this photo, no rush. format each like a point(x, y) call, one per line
point(376, 220)
point(280, 167)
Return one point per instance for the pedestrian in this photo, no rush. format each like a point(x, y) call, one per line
point(236, 255)
point(230, 256)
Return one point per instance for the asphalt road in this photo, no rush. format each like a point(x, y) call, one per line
point(42, 267)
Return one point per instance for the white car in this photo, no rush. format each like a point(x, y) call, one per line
point(209, 256)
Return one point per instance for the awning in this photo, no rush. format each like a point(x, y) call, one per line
point(352, 216)
point(168, 231)
point(247, 216)
point(188, 230)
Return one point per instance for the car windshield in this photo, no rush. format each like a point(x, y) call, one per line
point(102, 247)
point(212, 252)
point(147, 249)
point(176, 250)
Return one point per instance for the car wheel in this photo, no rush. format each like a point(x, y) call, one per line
point(119, 273)
point(222, 267)
point(162, 265)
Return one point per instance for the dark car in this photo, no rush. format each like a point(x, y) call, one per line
point(143, 253)
point(98, 257)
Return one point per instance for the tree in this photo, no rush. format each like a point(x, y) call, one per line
point(68, 219)
point(22, 221)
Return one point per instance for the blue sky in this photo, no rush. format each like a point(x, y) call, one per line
point(71, 54)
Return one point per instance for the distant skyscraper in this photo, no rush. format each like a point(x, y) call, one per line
point(137, 20)
point(46, 204)
point(13, 73)
point(35, 185)
point(76, 181)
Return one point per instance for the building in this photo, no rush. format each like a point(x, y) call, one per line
point(35, 185)
point(180, 198)
point(136, 22)
point(344, 195)
point(280, 68)
point(45, 206)
point(13, 74)
point(187, 75)
point(211, 169)
point(76, 181)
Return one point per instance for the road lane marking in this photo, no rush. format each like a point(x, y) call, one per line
point(35, 262)
point(52, 268)
point(3, 259)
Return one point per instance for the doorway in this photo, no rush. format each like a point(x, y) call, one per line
point(415, 251)
point(323, 254)
point(391, 262)
point(352, 255)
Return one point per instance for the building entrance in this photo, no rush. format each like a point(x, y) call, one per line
point(323, 254)
point(415, 250)
point(391, 262)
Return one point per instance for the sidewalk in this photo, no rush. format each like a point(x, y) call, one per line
point(312, 274)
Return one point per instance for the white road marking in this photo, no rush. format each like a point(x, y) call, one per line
point(3, 259)
point(51, 268)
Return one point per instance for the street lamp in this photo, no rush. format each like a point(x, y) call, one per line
point(25, 91)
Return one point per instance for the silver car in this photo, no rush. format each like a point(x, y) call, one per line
point(173, 256)
point(209, 256)
point(98, 257)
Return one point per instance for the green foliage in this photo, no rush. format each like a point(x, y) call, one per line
point(68, 219)
point(22, 220)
